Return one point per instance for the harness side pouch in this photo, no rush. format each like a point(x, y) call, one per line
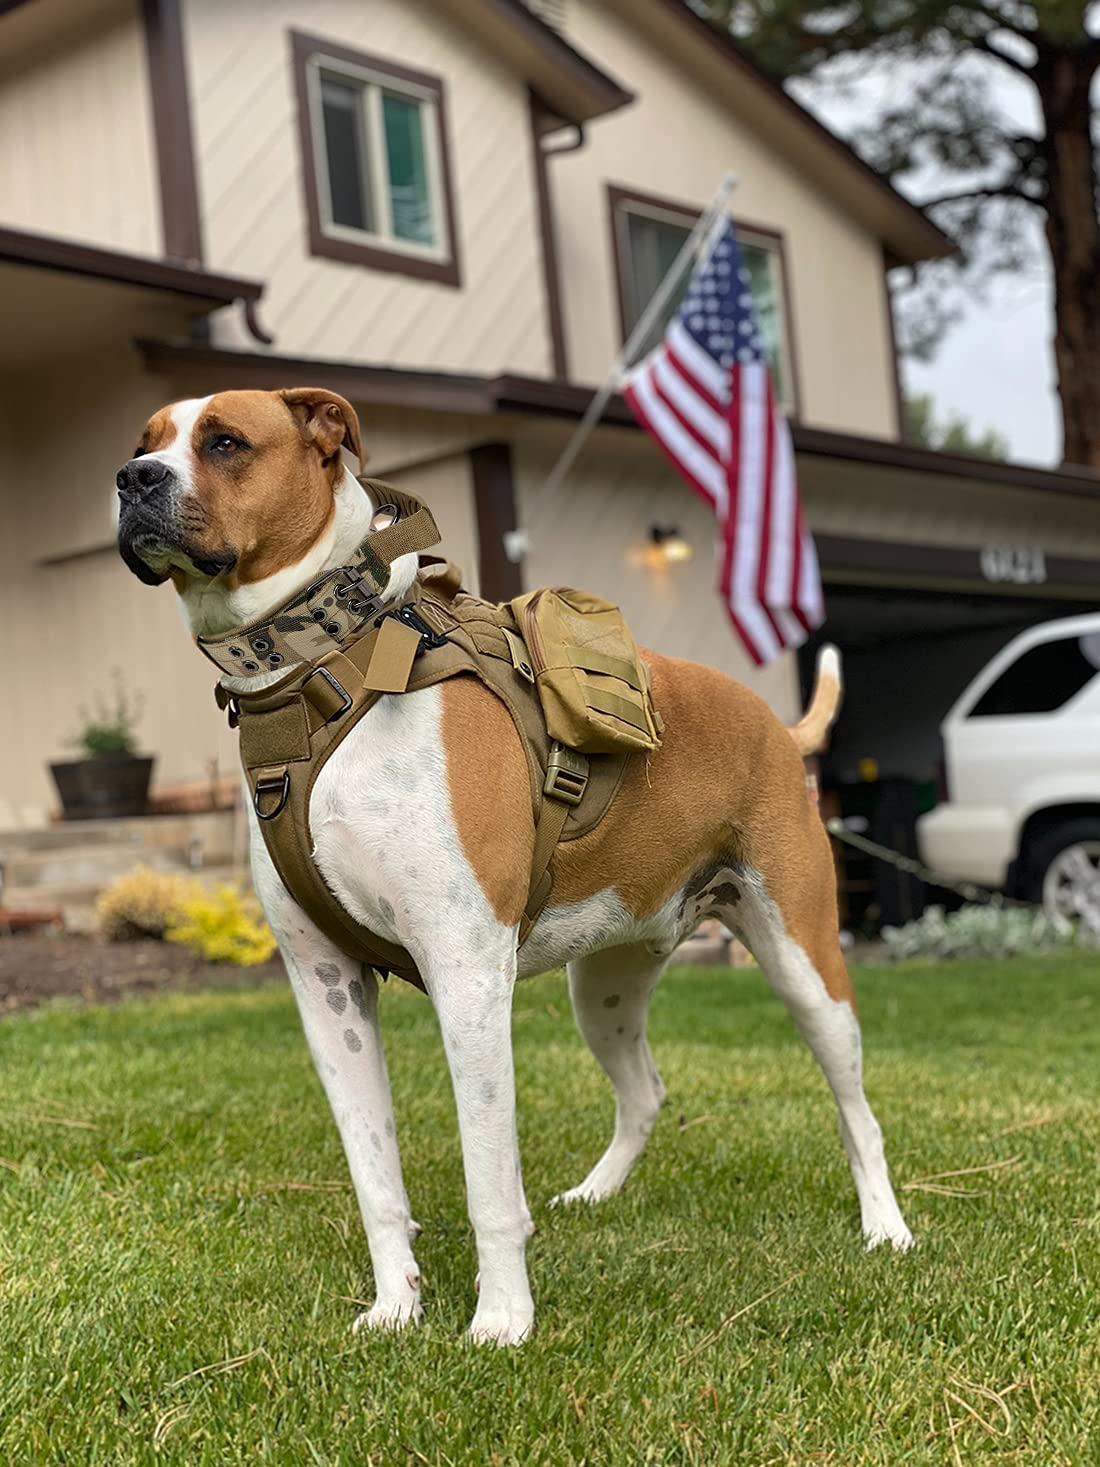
point(592, 683)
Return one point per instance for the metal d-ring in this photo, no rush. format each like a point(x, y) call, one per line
point(270, 786)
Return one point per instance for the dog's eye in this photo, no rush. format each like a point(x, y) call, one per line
point(226, 443)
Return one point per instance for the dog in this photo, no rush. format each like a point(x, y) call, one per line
point(240, 499)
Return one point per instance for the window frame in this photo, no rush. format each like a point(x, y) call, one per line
point(622, 201)
point(313, 57)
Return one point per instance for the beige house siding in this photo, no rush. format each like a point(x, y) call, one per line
point(251, 189)
point(857, 500)
point(76, 132)
point(595, 536)
point(676, 141)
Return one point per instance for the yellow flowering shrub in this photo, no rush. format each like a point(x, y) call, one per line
point(143, 903)
point(223, 925)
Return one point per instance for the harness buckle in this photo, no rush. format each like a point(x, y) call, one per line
point(271, 784)
point(322, 697)
point(566, 775)
point(412, 618)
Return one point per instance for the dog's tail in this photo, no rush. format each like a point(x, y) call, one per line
point(811, 732)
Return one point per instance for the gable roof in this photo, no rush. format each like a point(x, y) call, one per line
point(904, 229)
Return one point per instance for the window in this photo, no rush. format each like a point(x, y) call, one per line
point(1042, 679)
point(648, 234)
point(375, 162)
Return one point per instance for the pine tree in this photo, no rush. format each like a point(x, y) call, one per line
point(950, 120)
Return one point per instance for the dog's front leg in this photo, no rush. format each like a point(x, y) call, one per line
point(338, 1004)
point(473, 999)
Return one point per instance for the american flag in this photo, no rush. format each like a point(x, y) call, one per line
point(706, 396)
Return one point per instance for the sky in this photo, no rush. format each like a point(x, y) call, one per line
point(995, 368)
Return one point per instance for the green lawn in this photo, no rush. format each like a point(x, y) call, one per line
point(180, 1251)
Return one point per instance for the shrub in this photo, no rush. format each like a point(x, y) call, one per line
point(143, 903)
point(223, 925)
point(110, 727)
point(980, 932)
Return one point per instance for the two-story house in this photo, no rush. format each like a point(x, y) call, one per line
point(452, 212)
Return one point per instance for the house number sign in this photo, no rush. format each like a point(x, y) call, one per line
point(1023, 565)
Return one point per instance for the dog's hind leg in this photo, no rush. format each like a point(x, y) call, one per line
point(611, 991)
point(338, 1004)
point(786, 913)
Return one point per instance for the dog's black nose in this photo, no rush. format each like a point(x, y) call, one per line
point(141, 477)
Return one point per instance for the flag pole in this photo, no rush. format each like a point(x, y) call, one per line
point(517, 540)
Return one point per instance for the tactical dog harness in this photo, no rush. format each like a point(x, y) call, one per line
point(343, 647)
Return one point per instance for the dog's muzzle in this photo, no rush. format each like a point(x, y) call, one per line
point(150, 524)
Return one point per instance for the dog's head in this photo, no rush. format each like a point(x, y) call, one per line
point(237, 485)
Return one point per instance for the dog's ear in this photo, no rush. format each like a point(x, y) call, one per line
point(326, 419)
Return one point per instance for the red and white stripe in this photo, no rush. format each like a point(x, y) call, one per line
point(725, 434)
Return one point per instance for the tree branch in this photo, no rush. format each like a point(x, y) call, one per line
point(994, 191)
point(984, 44)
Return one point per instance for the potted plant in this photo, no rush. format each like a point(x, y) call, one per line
point(111, 779)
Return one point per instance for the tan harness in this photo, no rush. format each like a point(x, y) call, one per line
point(289, 730)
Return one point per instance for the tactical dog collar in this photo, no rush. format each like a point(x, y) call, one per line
point(334, 607)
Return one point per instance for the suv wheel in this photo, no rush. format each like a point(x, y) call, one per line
point(1063, 867)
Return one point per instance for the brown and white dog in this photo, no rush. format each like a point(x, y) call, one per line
point(240, 499)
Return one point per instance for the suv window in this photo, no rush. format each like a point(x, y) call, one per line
point(1044, 678)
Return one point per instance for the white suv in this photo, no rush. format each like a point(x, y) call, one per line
point(1022, 772)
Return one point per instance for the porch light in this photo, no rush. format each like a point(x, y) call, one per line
point(668, 546)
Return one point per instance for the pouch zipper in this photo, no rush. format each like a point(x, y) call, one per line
point(531, 633)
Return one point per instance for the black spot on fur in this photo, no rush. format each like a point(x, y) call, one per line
point(329, 973)
point(611, 1001)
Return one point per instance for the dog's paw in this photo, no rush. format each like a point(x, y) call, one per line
point(893, 1232)
point(387, 1316)
point(588, 1191)
point(502, 1326)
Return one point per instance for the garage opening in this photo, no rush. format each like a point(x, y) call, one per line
point(907, 653)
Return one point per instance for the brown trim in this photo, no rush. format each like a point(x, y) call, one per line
point(181, 226)
point(472, 394)
point(375, 257)
point(444, 392)
point(892, 342)
point(617, 196)
point(715, 37)
point(888, 454)
point(495, 505)
point(551, 276)
point(43, 252)
point(844, 555)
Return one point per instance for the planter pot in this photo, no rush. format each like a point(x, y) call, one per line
point(109, 786)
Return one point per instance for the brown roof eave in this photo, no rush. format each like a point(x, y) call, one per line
point(47, 252)
point(573, 85)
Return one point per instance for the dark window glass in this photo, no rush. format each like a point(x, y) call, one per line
point(347, 170)
point(410, 201)
point(1044, 678)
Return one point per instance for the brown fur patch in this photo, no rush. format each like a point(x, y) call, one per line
point(727, 783)
point(490, 793)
